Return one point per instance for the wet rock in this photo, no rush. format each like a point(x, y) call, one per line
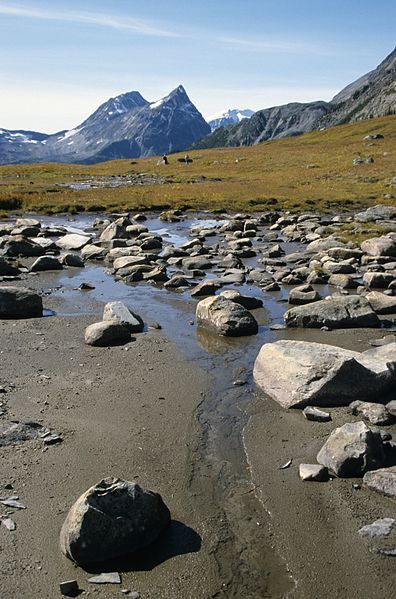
point(313, 472)
point(72, 260)
point(379, 528)
point(225, 317)
point(375, 413)
point(93, 252)
point(205, 288)
point(378, 212)
point(343, 281)
point(351, 450)
point(8, 269)
point(379, 246)
point(22, 247)
point(135, 230)
point(324, 243)
point(113, 231)
point(335, 312)
point(158, 275)
point(111, 519)
point(46, 263)
point(383, 481)
point(119, 313)
point(26, 231)
point(316, 415)
point(125, 261)
point(106, 333)
point(176, 282)
point(379, 280)
point(19, 302)
point(28, 222)
point(344, 253)
point(248, 302)
point(73, 241)
point(302, 373)
point(197, 263)
point(303, 294)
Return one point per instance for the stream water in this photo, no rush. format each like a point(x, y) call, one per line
point(219, 477)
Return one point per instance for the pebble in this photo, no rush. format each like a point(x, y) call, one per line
point(106, 578)
point(69, 587)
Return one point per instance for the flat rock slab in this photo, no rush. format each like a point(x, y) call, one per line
point(106, 578)
point(302, 373)
point(19, 302)
point(73, 241)
point(379, 528)
point(351, 311)
point(383, 481)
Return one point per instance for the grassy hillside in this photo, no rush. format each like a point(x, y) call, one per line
point(314, 171)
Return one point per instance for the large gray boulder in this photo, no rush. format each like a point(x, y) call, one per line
point(19, 302)
point(350, 311)
point(46, 263)
point(379, 280)
point(73, 241)
point(374, 413)
point(106, 333)
point(381, 303)
point(113, 231)
point(379, 246)
point(225, 317)
point(119, 313)
point(383, 481)
point(352, 450)
point(20, 246)
point(301, 373)
point(112, 519)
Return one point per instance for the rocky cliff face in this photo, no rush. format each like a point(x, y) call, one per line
point(373, 95)
point(270, 123)
point(124, 127)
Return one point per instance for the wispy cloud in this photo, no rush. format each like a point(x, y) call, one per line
point(138, 26)
point(269, 44)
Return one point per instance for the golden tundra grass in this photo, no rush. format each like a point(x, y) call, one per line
point(314, 171)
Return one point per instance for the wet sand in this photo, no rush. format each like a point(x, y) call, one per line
point(315, 525)
point(121, 413)
point(163, 411)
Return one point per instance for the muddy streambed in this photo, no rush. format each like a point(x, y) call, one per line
point(259, 541)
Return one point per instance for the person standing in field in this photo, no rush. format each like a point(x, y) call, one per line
point(186, 158)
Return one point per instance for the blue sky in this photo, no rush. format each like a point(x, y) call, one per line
point(61, 59)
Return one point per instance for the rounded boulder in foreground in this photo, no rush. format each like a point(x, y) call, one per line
point(104, 334)
point(112, 519)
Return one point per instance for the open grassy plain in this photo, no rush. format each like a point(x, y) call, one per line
point(313, 171)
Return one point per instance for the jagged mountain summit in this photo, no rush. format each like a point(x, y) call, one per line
point(127, 126)
point(372, 95)
point(229, 117)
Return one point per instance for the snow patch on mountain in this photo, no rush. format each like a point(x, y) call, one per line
point(228, 117)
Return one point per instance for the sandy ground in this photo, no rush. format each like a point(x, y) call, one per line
point(315, 524)
point(135, 412)
point(123, 411)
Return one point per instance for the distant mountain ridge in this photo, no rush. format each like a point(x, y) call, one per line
point(371, 96)
point(229, 117)
point(127, 126)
